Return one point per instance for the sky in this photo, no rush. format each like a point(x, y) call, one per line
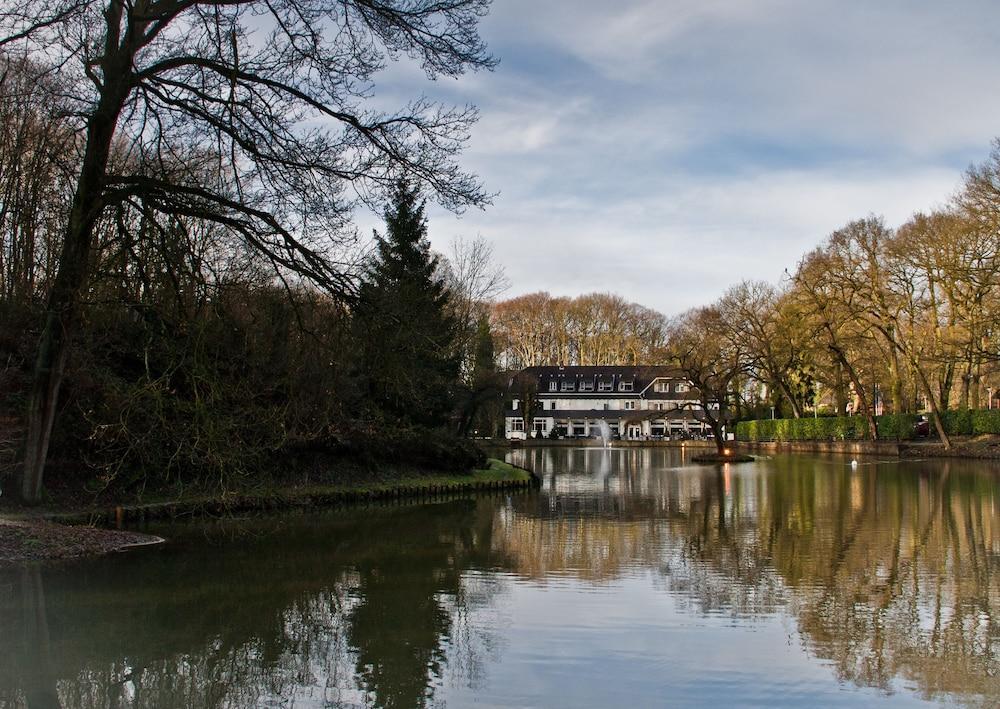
point(665, 150)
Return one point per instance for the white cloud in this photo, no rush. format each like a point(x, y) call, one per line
point(686, 241)
point(665, 150)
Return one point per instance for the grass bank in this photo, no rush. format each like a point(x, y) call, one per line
point(350, 485)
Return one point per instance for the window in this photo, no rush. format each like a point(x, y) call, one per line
point(630, 405)
point(605, 386)
point(568, 386)
point(659, 406)
point(624, 386)
point(553, 386)
point(517, 424)
point(607, 406)
point(540, 425)
point(552, 405)
point(661, 387)
point(586, 386)
point(681, 388)
point(513, 404)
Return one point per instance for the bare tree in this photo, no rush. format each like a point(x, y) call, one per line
point(474, 281)
point(704, 345)
point(773, 343)
point(591, 329)
point(272, 96)
point(829, 313)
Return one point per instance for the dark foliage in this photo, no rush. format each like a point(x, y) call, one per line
point(409, 363)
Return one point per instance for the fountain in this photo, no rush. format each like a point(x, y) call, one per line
point(605, 430)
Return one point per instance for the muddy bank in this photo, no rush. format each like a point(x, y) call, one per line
point(985, 447)
point(38, 540)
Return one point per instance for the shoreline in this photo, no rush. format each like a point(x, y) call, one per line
point(971, 448)
point(33, 534)
point(34, 540)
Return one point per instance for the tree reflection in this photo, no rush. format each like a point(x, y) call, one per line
point(399, 623)
point(890, 570)
point(353, 608)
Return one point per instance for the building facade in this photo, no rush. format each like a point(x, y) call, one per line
point(627, 403)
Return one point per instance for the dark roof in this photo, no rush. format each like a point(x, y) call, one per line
point(628, 414)
point(640, 375)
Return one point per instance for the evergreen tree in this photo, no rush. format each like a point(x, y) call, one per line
point(481, 399)
point(484, 362)
point(409, 359)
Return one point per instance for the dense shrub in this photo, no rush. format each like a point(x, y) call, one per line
point(957, 423)
point(825, 429)
point(431, 449)
point(985, 421)
point(963, 422)
point(235, 393)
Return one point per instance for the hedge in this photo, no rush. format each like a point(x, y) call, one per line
point(891, 426)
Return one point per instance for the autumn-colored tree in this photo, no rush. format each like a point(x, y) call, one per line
point(706, 347)
point(593, 329)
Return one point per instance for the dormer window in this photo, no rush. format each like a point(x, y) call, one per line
point(553, 386)
point(587, 386)
point(625, 386)
point(681, 388)
point(661, 387)
point(568, 386)
point(605, 385)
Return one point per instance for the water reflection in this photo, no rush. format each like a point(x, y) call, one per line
point(886, 575)
point(890, 569)
point(349, 608)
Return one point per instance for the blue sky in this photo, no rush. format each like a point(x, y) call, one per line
point(666, 150)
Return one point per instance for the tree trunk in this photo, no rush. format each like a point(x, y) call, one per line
point(963, 401)
point(935, 412)
point(977, 384)
point(64, 300)
point(860, 391)
point(896, 382)
point(716, 426)
point(839, 390)
point(787, 393)
point(946, 384)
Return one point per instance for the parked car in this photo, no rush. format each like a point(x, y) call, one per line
point(921, 427)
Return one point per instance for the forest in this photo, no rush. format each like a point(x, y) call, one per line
point(184, 297)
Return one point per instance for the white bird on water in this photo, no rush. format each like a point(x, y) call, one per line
point(854, 463)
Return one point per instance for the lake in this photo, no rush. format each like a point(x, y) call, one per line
point(632, 578)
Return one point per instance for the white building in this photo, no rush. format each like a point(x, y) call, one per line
point(635, 403)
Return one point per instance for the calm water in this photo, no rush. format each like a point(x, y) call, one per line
point(632, 579)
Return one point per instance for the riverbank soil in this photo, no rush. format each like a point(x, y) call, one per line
point(985, 447)
point(39, 540)
point(716, 458)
